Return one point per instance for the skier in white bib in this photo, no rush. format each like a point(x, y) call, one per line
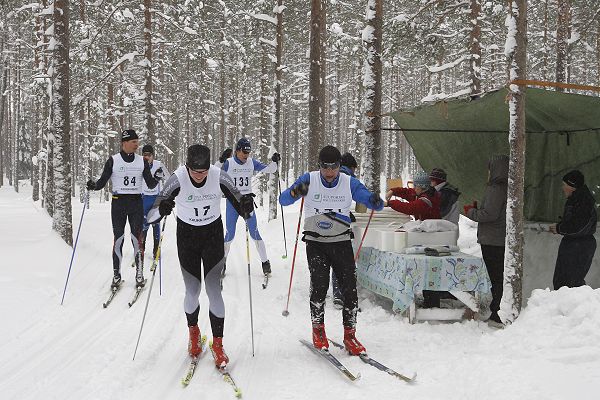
point(196, 190)
point(126, 170)
point(241, 167)
point(149, 195)
point(328, 196)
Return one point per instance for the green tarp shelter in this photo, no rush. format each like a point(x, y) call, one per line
point(563, 133)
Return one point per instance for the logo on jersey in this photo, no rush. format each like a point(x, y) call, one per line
point(203, 197)
point(317, 197)
point(325, 225)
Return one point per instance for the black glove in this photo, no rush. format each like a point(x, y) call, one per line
point(159, 174)
point(247, 205)
point(226, 154)
point(276, 157)
point(90, 185)
point(300, 189)
point(166, 206)
point(376, 200)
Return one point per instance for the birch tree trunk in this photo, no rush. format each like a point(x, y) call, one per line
point(475, 37)
point(372, 79)
point(61, 124)
point(515, 49)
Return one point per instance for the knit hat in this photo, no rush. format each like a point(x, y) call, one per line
point(574, 179)
point(421, 180)
point(148, 149)
point(198, 157)
point(128, 134)
point(349, 161)
point(438, 174)
point(330, 155)
point(244, 145)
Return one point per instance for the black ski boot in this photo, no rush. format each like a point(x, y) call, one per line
point(116, 281)
point(266, 267)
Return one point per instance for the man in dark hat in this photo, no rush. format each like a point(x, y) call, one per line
point(241, 167)
point(577, 225)
point(149, 195)
point(126, 170)
point(196, 189)
point(328, 196)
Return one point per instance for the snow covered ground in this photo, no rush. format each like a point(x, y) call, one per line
point(82, 351)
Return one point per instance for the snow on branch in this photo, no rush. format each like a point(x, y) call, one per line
point(446, 66)
point(269, 42)
point(265, 17)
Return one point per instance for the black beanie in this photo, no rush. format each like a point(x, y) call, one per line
point(574, 179)
point(148, 149)
point(128, 134)
point(198, 157)
point(349, 161)
point(330, 154)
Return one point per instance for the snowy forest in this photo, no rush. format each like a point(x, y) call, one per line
point(290, 75)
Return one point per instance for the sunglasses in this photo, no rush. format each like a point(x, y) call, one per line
point(147, 154)
point(333, 165)
point(246, 151)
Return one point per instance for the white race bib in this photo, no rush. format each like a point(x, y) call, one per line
point(242, 174)
point(126, 178)
point(198, 206)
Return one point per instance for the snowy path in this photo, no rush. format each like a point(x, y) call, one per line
point(81, 351)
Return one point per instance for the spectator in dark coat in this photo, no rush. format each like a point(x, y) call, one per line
point(491, 230)
point(448, 195)
point(578, 225)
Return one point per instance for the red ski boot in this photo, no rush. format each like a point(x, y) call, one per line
point(319, 337)
point(352, 344)
point(194, 345)
point(221, 358)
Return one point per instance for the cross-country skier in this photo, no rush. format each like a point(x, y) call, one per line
point(126, 170)
point(196, 190)
point(241, 167)
point(160, 172)
point(328, 197)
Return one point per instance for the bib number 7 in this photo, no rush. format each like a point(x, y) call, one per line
point(206, 208)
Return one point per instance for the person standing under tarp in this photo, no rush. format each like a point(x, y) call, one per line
point(577, 225)
point(491, 230)
point(448, 195)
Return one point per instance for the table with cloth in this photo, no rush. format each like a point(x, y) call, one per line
point(400, 277)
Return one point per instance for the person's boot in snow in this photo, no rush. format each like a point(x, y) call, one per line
point(266, 266)
point(221, 358)
point(194, 345)
point(352, 344)
point(319, 337)
point(116, 281)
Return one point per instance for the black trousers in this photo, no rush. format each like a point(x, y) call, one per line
point(197, 246)
point(493, 256)
point(338, 256)
point(573, 261)
point(126, 207)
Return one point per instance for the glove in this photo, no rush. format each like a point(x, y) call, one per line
point(276, 157)
point(166, 206)
point(299, 190)
point(247, 205)
point(226, 154)
point(159, 174)
point(90, 185)
point(376, 201)
point(467, 207)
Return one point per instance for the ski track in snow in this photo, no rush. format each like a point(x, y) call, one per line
point(82, 351)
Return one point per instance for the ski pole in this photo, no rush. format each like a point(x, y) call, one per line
point(285, 312)
point(153, 269)
point(249, 285)
point(85, 205)
point(363, 235)
point(282, 218)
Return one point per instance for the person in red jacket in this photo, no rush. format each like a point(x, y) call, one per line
point(422, 200)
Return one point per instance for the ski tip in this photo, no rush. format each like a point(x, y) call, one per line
point(238, 394)
point(104, 305)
